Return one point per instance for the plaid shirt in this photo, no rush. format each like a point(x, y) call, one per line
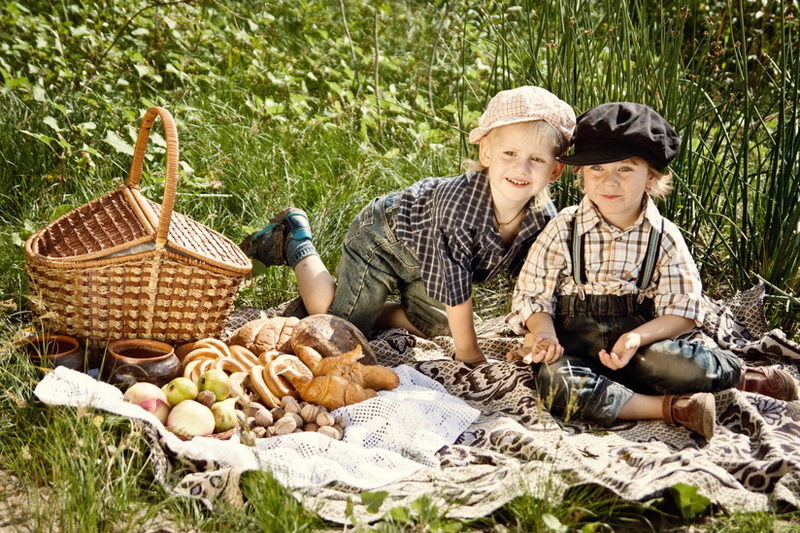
point(613, 259)
point(449, 223)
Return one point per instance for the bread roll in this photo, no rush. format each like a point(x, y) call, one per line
point(309, 356)
point(378, 377)
point(337, 364)
point(331, 392)
point(278, 375)
point(346, 366)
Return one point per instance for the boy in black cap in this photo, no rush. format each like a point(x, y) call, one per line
point(610, 283)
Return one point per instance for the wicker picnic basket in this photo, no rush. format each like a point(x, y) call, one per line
point(122, 266)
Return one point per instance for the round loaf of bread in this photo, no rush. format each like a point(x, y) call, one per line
point(331, 336)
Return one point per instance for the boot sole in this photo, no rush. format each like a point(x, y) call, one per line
point(706, 405)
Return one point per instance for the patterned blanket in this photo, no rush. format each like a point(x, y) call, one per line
point(510, 445)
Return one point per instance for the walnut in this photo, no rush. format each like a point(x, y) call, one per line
point(206, 397)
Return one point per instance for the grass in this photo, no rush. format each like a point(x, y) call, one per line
point(276, 106)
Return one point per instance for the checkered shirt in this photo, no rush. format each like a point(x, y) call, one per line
point(613, 260)
point(448, 222)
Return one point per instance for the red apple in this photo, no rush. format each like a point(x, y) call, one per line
point(141, 391)
point(158, 407)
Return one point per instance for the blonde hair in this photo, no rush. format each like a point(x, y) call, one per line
point(539, 132)
point(658, 190)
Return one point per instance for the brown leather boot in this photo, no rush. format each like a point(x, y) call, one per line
point(696, 412)
point(769, 381)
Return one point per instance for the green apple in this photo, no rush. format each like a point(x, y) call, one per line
point(217, 381)
point(180, 389)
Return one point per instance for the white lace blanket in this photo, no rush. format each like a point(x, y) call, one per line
point(387, 438)
point(487, 439)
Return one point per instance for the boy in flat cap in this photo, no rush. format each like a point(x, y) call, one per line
point(436, 238)
point(609, 285)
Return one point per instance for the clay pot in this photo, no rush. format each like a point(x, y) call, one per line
point(131, 360)
point(55, 350)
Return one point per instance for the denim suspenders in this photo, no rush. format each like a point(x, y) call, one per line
point(577, 251)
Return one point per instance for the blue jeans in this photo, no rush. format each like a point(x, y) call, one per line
point(373, 262)
point(580, 382)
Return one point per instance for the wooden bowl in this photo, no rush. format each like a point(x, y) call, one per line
point(132, 360)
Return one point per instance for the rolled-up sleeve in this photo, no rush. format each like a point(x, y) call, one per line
point(537, 283)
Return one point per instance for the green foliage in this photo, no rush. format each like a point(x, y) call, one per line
point(553, 524)
point(699, 65)
point(281, 103)
point(423, 515)
point(91, 480)
point(270, 508)
point(688, 501)
point(586, 508)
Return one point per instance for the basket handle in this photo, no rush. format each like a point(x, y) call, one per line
point(171, 183)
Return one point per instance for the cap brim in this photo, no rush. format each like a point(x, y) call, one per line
point(595, 157)
point(600, 157)
point(479, 133)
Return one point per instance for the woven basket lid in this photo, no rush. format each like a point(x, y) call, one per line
point(123, 221)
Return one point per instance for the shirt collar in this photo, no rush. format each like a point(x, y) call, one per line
point(651, 212)
point(589, 216)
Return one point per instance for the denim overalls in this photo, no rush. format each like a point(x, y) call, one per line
point(374, 261)
point(585, 324)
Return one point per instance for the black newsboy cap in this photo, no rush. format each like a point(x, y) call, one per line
point(619, 130)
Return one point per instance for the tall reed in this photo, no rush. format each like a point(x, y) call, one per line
point(737, 188)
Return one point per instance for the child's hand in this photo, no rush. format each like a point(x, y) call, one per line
point(622, 352)
point(471, 357)
point(546, 350)
point(537, 348)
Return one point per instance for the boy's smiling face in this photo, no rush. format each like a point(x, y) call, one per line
point(520, 163)
point(617, 189)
